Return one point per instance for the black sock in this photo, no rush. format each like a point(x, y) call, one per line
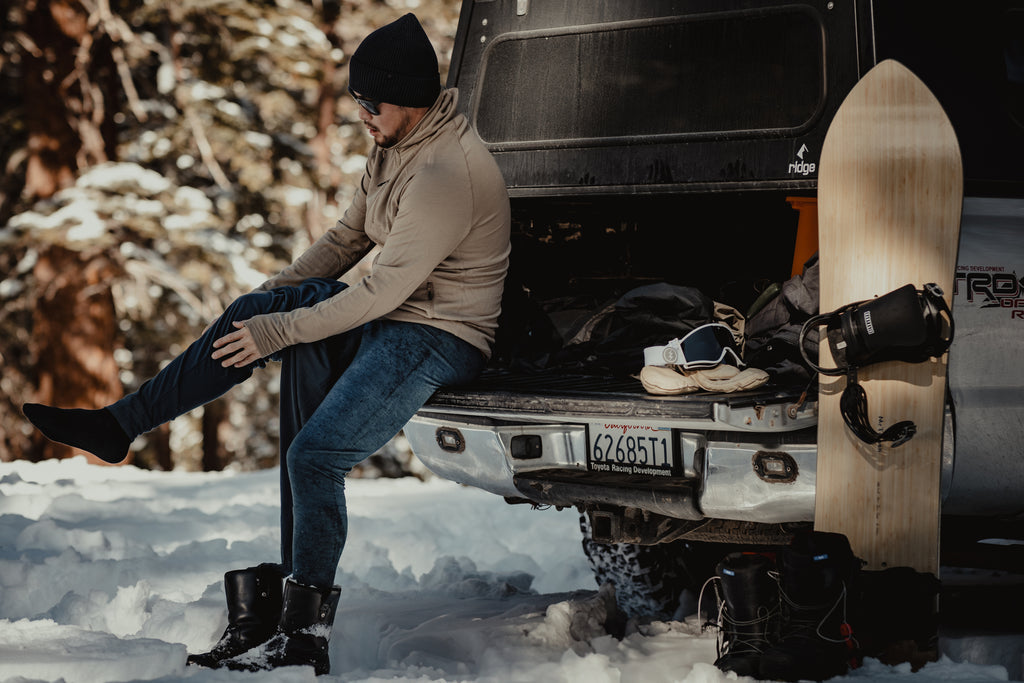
point(96, 431)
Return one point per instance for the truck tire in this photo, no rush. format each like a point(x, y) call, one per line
point(649, 580)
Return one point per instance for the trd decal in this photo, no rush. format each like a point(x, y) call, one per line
point(990, 287)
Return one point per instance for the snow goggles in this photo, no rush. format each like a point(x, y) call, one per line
point(372, 106)
point(705, 347)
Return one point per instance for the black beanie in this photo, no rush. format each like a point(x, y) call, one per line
point(396, 64)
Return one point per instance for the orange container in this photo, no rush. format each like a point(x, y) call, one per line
point(806, 231)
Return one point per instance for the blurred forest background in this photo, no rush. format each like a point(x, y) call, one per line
point(161, 157)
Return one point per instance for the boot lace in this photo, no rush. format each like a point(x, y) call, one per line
point(725, 624)
point(804, 620)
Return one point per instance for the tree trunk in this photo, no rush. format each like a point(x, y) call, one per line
point(160, 438)
point(214, 453)
point(328, 175)
point(70, 90)
point(52, 143)
point(74, 329)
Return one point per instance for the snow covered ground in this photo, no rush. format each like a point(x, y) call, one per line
point(113, 574)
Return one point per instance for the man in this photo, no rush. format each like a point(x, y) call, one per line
point(357, 362)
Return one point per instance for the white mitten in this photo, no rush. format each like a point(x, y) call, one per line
point(728, 378)
point(666, 380)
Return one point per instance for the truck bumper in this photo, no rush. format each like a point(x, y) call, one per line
point(738, 476)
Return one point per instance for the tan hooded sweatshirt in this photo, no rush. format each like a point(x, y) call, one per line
point(438, 207)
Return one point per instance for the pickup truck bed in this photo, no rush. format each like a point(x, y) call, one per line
point(556, 392)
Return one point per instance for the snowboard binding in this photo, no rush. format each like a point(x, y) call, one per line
point(907, 324)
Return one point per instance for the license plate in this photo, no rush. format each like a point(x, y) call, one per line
point(631, 449)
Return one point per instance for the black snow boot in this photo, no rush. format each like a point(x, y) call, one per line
point(749, 621)
point(816, 574)
point(254, 608)
point(302, 634)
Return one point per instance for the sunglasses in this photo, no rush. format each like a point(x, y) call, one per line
point(372, 106)
point(705, 347)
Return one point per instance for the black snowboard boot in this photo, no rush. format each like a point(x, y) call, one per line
point(750, 619)
point(302, 634)
point(816, 573)
point(254, 608)
point(897, 617)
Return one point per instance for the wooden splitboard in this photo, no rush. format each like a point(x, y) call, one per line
point(890, 190)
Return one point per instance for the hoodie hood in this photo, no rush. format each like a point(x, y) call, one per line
point(439, 114)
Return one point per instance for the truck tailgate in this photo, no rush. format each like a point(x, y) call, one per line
point(558, 393)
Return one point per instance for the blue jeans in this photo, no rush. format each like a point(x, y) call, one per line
point(342, 399)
